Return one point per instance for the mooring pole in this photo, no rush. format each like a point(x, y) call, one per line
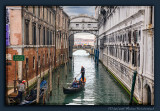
point(133, 85)
point(27, 78)
point(40, 71)
point(97, 56)
point(48, 85)
point(50, 74)
point(44, 97)
point(38, 89)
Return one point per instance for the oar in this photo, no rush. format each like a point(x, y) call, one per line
point(77, 75)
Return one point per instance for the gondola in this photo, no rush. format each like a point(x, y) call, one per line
point(72, 90)
point(31, 98)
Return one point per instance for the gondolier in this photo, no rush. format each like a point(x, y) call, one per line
point(21, 89)
point(82, 72)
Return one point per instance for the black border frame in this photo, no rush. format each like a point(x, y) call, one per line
point(155, 3)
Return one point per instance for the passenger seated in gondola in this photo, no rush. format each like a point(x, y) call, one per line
point(74, 84)
point(78, 84)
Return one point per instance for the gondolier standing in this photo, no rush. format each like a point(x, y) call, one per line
point(82, 72)
point(21, 89)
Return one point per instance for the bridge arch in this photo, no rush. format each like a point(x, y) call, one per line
point(81, 24)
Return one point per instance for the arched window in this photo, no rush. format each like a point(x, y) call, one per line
point(129, 36)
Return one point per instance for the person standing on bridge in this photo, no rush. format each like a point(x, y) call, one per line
point(82, 73)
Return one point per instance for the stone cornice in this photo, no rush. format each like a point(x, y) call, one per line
point(126, 20)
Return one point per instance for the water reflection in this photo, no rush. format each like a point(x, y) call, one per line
point(100, 88)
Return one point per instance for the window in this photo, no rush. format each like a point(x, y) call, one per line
point(89, 25)
point(47, 37)
point(139, 35)
point(135, 35)
point(77, 25)
point(33, 62)
point(128, 55)
point(51, 38)
point(121, 53)
point(27, 63)
point(34, 33)
point(39, 30)
point(134, 58)
point(27, 32)
point(43, 35)
point(47, 58)
point(129, 36)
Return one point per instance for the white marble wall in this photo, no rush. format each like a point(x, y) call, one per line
point(121, 21)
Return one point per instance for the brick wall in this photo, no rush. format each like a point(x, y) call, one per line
point(15, 27)
point(10, 67)
point(32, 52)
point(32, 71)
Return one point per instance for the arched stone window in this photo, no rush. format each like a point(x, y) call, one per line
point(129, 36)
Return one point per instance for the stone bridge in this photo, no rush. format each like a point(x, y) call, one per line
point(87, 48)
point(81, 24)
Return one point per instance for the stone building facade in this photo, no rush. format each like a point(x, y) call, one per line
point(62, 28)
point(33, 33)
point(126, 44)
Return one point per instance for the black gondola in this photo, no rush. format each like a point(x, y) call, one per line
point(72, 90)
point(31, 98)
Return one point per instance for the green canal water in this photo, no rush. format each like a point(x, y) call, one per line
point(100, 89)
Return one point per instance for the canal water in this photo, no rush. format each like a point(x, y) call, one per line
point(100, 89)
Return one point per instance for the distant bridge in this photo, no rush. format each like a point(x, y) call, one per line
point(88, 48)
